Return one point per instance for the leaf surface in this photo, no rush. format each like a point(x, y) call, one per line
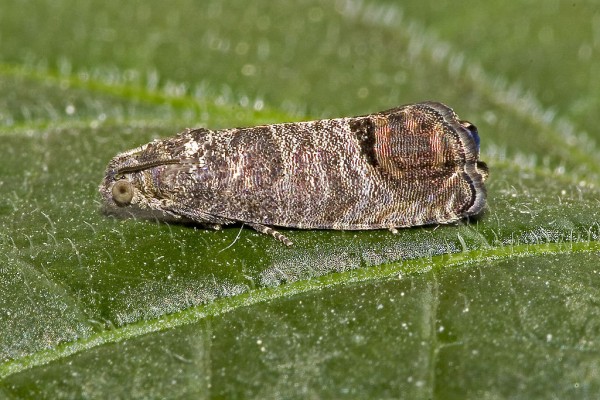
point(504, 305)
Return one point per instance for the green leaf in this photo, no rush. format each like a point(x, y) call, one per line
point(504, 305)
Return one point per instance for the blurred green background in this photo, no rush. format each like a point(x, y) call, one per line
point(502, 306)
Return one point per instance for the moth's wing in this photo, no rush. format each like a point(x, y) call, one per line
point(428, 151)
point(225, 175)
point(205, 206)
point(182, 192)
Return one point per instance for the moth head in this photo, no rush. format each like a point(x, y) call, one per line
point(131, 186)
point(122, 194)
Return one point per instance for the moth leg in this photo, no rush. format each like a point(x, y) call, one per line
point(393, 230)
point(270, 231)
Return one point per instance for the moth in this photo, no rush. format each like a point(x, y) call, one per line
point(413, 165)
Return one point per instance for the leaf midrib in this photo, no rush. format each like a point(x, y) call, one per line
point(219, 307)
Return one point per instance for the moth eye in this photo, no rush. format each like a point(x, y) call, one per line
point(122, 192)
